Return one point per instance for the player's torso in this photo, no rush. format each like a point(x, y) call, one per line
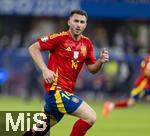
point(69, 58)
point(71, 51)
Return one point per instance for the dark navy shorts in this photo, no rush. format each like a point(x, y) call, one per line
point(59, 102)
point(137, 95)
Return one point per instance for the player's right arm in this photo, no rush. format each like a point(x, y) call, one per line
point(35, 52)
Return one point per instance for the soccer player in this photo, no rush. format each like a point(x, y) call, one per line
point(69, 50)
point(142, 89)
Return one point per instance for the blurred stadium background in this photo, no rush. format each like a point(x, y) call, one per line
point(122, 26)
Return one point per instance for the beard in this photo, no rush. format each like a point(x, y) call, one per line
point(77, 32)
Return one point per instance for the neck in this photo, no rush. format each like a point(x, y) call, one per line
point(75, 37)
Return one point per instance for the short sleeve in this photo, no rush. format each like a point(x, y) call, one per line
point(90, 59)
point(48, 42)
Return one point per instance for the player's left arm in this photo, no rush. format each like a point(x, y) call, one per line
point(103, 58)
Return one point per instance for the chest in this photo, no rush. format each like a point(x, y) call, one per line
point(72, 50)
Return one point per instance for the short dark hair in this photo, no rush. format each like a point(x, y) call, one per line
point(78, 11)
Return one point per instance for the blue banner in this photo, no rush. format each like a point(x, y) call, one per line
point(108, 9)
point(117, 10)
point(38, 7)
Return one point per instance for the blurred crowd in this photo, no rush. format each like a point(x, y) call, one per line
point(127, 42)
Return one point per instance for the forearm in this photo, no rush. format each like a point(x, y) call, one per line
point(35, 53)
point(104, 57)
point(94, 68)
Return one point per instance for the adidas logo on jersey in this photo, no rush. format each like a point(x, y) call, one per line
point(68, 49)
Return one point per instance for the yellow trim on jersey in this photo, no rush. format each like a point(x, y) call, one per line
point(59, 102)
point(139, 88)
point(58, 34)
point(54, 85)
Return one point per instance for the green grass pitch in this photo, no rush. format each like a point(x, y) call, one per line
point(121, 122)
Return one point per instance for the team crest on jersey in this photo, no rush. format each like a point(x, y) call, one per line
point(83, 50)
point(75, 54)
point(44, 39)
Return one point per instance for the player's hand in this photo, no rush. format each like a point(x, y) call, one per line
point(49, 76)
point(104, 55)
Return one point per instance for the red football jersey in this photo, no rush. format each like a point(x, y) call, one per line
point(67, 57)
point(140, 79)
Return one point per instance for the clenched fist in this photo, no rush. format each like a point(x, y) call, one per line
point(104, 55)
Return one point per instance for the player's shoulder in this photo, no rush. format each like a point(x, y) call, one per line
point(60, 34)
point(85, 38)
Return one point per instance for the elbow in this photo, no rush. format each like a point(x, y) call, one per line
point(92, 69)
point(30, 49)
point(34, 48)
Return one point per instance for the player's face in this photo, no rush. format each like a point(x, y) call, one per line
point(77, 24)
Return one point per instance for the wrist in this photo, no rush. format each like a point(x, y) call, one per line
point(44, 68)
